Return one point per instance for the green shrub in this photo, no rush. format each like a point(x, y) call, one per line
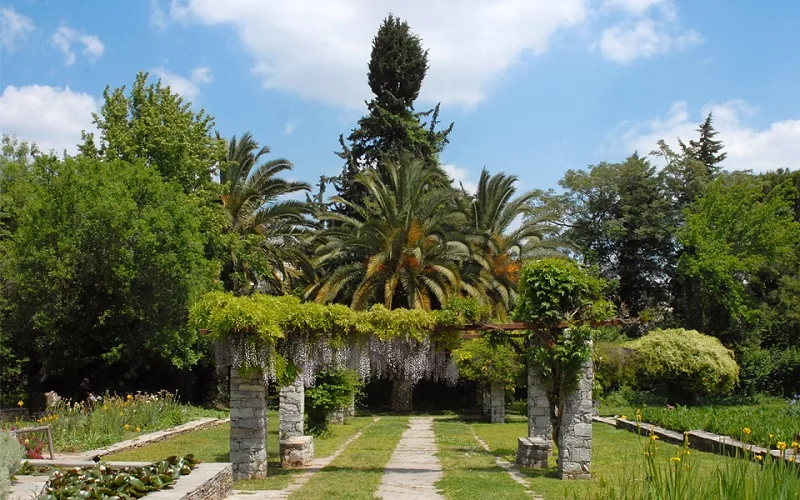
point(483, 361)
point(614, 366)
point(686, 362)
point(11, 453)
point(332, 390)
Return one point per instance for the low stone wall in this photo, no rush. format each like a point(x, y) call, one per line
point(153, 437)
point(700, 440)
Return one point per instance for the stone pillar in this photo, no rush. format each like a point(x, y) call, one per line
point(291, 409)
point(402, 392)
point(351, 407)
point(539, 425)
point(497, 403)
point(248, 425)
point(575, 442)
point(337, 417)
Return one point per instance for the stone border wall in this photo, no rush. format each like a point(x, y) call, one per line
point(699, 440)
point(153, 437)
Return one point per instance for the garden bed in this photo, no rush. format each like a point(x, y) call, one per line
point(171, 478)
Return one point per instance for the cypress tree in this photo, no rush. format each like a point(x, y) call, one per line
point(392, 131)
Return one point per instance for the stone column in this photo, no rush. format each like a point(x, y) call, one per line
point(351, 407)
point(497, 403)
point(575, 442)
point(248, 425)
point(539, 425)
point(291, 409)
point(402, 393)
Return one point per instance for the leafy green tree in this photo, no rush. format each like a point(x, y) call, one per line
point(391, 131)
point(402, 249)
point(265, 232)
point(620, 217)
point(155, 125)
point(740, 245)
point(98, 273)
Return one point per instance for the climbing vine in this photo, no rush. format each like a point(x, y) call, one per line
point(279, 335)
point(557, 292)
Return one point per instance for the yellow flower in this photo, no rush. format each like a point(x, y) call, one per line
point(747, 430)
point(759, 458)
point(121, 414)
point(771, 437)
point(138, 429)
point(20, 403)
point(128, 397)
point(127, 427)
point(653, 437)
point(624, 417)
point(675, 459)
point(795, 444)
point(781, 445)
point(27, 441)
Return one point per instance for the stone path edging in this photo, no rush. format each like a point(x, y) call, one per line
point(414, 469)
point(509, 467)
point(149, 438)
point(298, 480)
point(699, 440)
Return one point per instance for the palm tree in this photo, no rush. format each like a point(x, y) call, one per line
point(266, 244)
point(400, 248)
point(503, 231)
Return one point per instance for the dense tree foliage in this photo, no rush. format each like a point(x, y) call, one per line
point(100, 269)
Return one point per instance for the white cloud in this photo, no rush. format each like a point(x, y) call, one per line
point(202, 75)
point(320, 49)
point(636, 7)
point(158, 19)
point(187, 87)
point(644, 38)
point(776, 146)
point(14, 28)
point(50, 116)
point(460, 177)
point(650, 28)
point(65, 37)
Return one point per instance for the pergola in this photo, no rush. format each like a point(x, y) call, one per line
point(248, 390)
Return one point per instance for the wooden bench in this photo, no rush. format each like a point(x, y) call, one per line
point(31, 430)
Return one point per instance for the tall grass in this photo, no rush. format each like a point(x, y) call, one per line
point(668, 472)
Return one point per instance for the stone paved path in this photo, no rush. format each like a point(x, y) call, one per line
point(414, 468)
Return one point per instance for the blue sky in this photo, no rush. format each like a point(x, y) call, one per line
point(535, 87)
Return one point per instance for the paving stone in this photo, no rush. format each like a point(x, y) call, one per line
point(414, 468)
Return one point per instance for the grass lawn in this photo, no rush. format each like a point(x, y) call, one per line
point(213, 445)
point(470, 472)
point(357, 472)
point(616, 459)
